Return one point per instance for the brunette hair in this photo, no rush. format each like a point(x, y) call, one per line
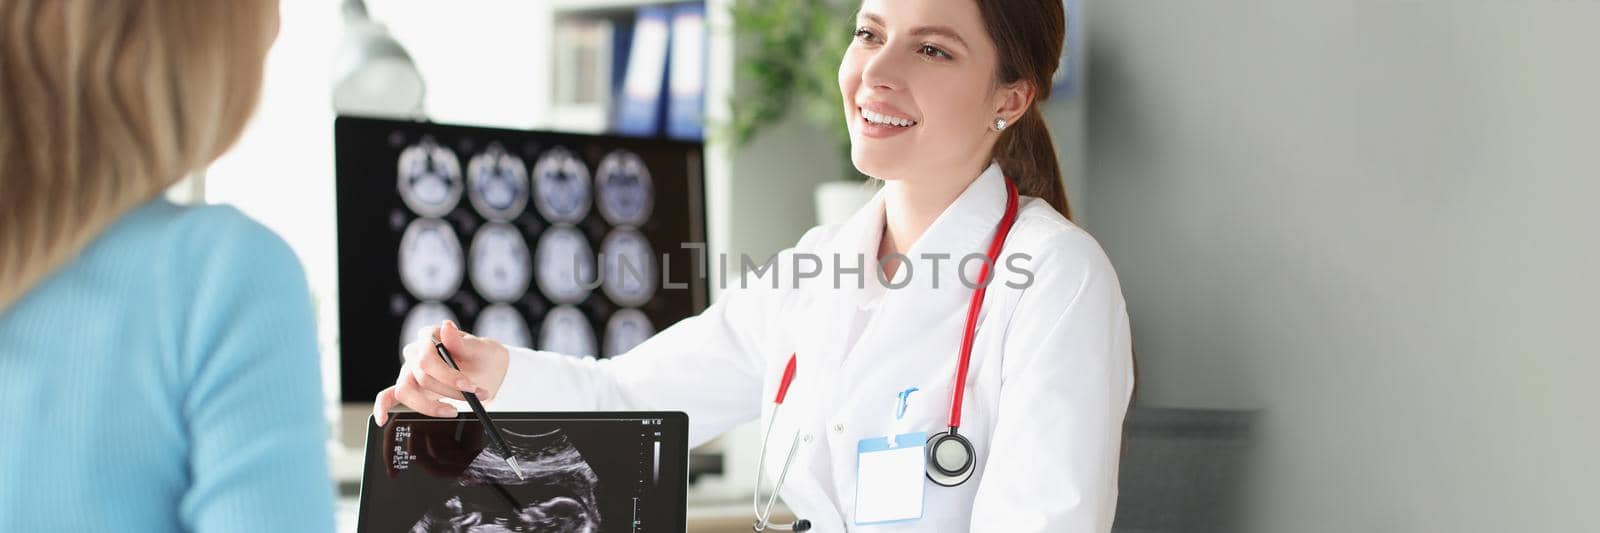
point(1028, 37)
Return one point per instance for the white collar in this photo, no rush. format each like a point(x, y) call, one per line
point(965, 227)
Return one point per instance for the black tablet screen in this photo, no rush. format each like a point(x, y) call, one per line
point(583, 472)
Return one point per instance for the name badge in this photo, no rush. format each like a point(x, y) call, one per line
point(889, 478)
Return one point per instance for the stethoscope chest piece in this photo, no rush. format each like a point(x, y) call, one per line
point(950, 458)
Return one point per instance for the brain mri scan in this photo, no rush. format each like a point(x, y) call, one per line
point(429, 178)
point(497, 184)
point(629, 267)
point(624, 330)
point(564, 265)
point(421, 317)
point(430, 259)
point(565, 330)
point(501, 267)
point(538, 239)
point(624, 192)
point(561, 187)
point(503, 323)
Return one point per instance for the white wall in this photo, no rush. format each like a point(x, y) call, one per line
point(1376, 221)
point(483, 64)
point(281, 170)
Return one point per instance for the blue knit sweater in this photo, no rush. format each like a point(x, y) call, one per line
point(166, 379)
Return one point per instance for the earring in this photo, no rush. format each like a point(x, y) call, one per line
point(999, 124)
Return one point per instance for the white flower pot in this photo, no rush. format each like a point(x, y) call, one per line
point(837, 200)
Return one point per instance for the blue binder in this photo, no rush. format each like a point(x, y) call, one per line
point(686, 75)
point(639, 102)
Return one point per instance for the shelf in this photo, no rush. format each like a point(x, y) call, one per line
point(568, 7)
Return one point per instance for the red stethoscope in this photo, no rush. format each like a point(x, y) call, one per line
point(949, 456)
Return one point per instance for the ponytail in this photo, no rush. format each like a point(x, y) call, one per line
point(1028, 156)
point(1028, 37)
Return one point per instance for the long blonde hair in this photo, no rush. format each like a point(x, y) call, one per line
point(104, 104)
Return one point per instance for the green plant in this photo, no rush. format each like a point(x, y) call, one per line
point(789, 62)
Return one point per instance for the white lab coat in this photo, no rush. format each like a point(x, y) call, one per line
point(1050, 377)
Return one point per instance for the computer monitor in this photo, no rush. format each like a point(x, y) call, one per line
point(571, 243)
point(581, 472)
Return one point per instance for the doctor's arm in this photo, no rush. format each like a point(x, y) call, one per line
point(710, 366)
point(1067, 380)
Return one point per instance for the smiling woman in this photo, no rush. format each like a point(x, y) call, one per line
point(936, 90)
point(976, 64)
point(1022, 387)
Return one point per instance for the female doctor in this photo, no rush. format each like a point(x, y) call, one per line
point(886, 422)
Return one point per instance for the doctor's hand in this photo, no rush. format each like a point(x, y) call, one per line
point(426, 380)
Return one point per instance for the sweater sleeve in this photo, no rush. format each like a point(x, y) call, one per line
point(253, 408)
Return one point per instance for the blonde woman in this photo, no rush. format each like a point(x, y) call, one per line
point(139, 339)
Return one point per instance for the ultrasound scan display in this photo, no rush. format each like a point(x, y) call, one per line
point(552, 241)
point(605, 472)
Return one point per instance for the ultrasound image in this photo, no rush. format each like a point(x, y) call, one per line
point(588, 475)
point(557, 492)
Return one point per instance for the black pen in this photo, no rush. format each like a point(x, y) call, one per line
point(483, 416)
